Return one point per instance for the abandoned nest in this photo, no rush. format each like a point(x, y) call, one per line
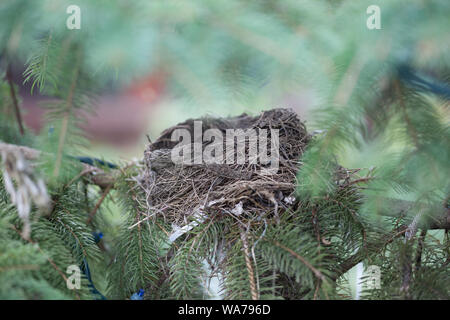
point(186, 192)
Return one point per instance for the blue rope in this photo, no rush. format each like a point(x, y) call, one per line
point(87, 272)
point(408, 75)
point(93, 289)
point(94, 161)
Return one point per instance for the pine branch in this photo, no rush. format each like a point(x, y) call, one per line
point(97, 205)
point(406, 269)
point(136, 264)
point(96, 175)
point(375, 247)
point(398, 207)
point(419, 250)
point(52, 263)
point(14, 99)
point(316, 272)
point(38, 66)
point(67, 113)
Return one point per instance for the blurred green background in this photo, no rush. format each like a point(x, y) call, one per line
point(152, 64)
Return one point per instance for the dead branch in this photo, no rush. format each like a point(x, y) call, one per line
point(96, 175)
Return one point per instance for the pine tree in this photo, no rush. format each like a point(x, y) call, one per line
point(381, 105)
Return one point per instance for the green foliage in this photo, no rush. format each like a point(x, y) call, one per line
point(138, 247)
point(18, 265)
point(39, 264)
point(39, 68)
point(430, 272)
point(186, 271)
point(9, 129)
point(221, 57)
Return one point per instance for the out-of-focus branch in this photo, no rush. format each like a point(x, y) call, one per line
point(96, 175)
point(398, 207)
point(373, 247)
point(14, 99)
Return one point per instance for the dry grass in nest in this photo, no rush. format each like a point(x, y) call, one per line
point(182, 193)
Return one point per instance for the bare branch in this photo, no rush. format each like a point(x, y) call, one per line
point(14, 99)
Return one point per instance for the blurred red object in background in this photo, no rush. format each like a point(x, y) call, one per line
point(148, 89)
point(120, 119)
point(123, 119)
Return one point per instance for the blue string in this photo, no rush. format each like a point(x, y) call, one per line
point(88, 160)
point(407, 74)
point(87, 272)
point(94, 161)
point(93, 289)
point(138, 296)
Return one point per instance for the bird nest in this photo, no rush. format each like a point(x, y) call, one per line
point(187, 182)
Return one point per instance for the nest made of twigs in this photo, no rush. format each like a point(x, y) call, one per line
point(178, 192)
